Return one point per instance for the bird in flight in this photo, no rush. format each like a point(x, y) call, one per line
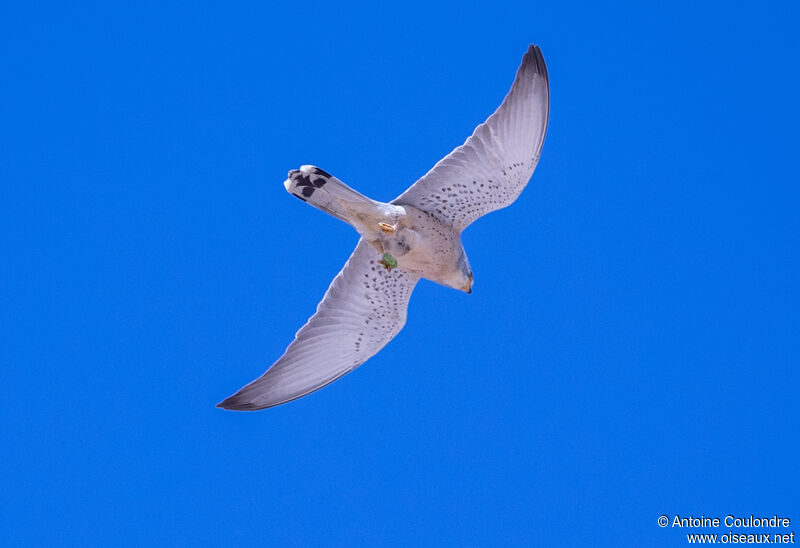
point(416, 235)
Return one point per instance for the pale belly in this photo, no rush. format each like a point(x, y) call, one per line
point(423, 245)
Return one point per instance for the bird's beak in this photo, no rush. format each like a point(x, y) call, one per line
point(468, 288)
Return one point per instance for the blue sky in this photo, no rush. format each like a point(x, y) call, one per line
point(630, 348)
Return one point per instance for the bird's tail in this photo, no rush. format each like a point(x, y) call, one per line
point(326, 192)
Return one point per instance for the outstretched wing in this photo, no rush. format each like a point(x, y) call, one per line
point(363, 309)
point(491, 168)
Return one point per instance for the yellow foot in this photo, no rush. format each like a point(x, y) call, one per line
point(386, 227)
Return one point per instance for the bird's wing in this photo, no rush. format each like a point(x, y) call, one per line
point(492, 167)
point(363, 309)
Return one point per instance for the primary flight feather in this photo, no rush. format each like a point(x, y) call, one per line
point(417, 235)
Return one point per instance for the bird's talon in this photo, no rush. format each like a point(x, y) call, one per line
point(386, 227)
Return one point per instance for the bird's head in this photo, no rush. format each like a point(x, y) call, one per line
point(465, 275)
point(459, 277)
point(468, 287)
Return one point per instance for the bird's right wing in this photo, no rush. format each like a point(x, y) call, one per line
point(492, 167)
point(363, 309)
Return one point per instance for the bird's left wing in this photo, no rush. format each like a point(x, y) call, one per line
point(363, 309)
point(492, 167)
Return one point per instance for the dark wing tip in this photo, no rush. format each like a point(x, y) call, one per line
point(238, 403)
point(534, 59)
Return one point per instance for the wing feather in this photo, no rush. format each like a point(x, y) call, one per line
point(490, 170)
point(363, 309)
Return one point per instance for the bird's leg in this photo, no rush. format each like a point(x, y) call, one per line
point(386, 227)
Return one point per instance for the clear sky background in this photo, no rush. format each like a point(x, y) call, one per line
point(630, 348)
